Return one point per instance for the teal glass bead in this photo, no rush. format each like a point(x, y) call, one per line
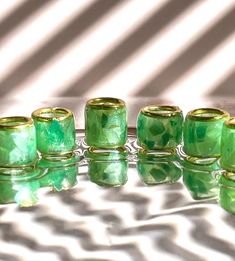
point(19, 185)
point(154, 171)
point(159, 127)
point(227, 192)
point(105, 123)
point(17, 142)
point(55, 130)
point(227, 160)
point(60, 174)
point(202, 133)
point(108, 173)
point(200, 180)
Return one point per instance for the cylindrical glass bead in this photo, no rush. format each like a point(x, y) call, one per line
point(55, 129)
point(17, 142)
point(202, 132)
point(227, 160)
point(105, 123)
point(159, 127)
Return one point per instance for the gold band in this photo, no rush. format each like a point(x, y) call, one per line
point(230, 123)
point(105, 102)
point(161, 110)
point(207, 114)
point(15, 122)
point(50, 113)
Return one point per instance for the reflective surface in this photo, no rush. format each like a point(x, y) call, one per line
point(150, 216)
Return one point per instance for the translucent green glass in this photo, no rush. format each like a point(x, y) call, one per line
point(227, 160)
point(112, 173)
point(20, 186)
point(55, 129)
point(159, 127)
point(105, 123)
point(60, 174)
point(17, 142)
point(227, 192)
point(153, 171)
point(202, 132)
point(200, 180)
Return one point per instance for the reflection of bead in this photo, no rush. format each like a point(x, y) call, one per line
point(227, 160)
point(105, 123)
point(158, 171)
point(17, 142)
point(55, 129)
point(227, 192)
point(19, 185)
point(61, 174)
point(202, 132)
point(199, 180)
point(159, 127)
point(108, 173)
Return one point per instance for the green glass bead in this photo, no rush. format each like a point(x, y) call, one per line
point(105, 123)
point(108, 173)
point(17, 142)
point(153, 171)
point(227, 192)
point(19, 185)
point(227, 160)
point(159, 127)
point(200, 180)
point(59, 174)
point(55, 129)
point(202, 132)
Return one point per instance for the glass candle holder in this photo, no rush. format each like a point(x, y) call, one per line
point(55, 129)
point(17, 142)
point(159, 127)
point(105, 123)
point(227, 160)
point(202, 133)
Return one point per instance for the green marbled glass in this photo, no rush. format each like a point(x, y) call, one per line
point(105, 123)
point(159, 127)
point(60, 174)
point(112, 173)
point(19, 186)
point(227, 160)
point(202, 132)
point(17, 142)
point(158, 170)
point(227, 192)
point(200, 180)
point(55, 129)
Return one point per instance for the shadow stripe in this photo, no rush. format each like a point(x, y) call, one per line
point(225, 87)
point(191, 56)
point(56, 44)
point(19, 15)
point(154, 24)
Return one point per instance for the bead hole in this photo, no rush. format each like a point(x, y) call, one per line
point(13, 121)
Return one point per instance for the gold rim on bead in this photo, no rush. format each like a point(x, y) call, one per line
point(15, 122)
point(51, 113)
point(161, 110)
point(207, 114)
point(106, 102)
point(230, 123)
